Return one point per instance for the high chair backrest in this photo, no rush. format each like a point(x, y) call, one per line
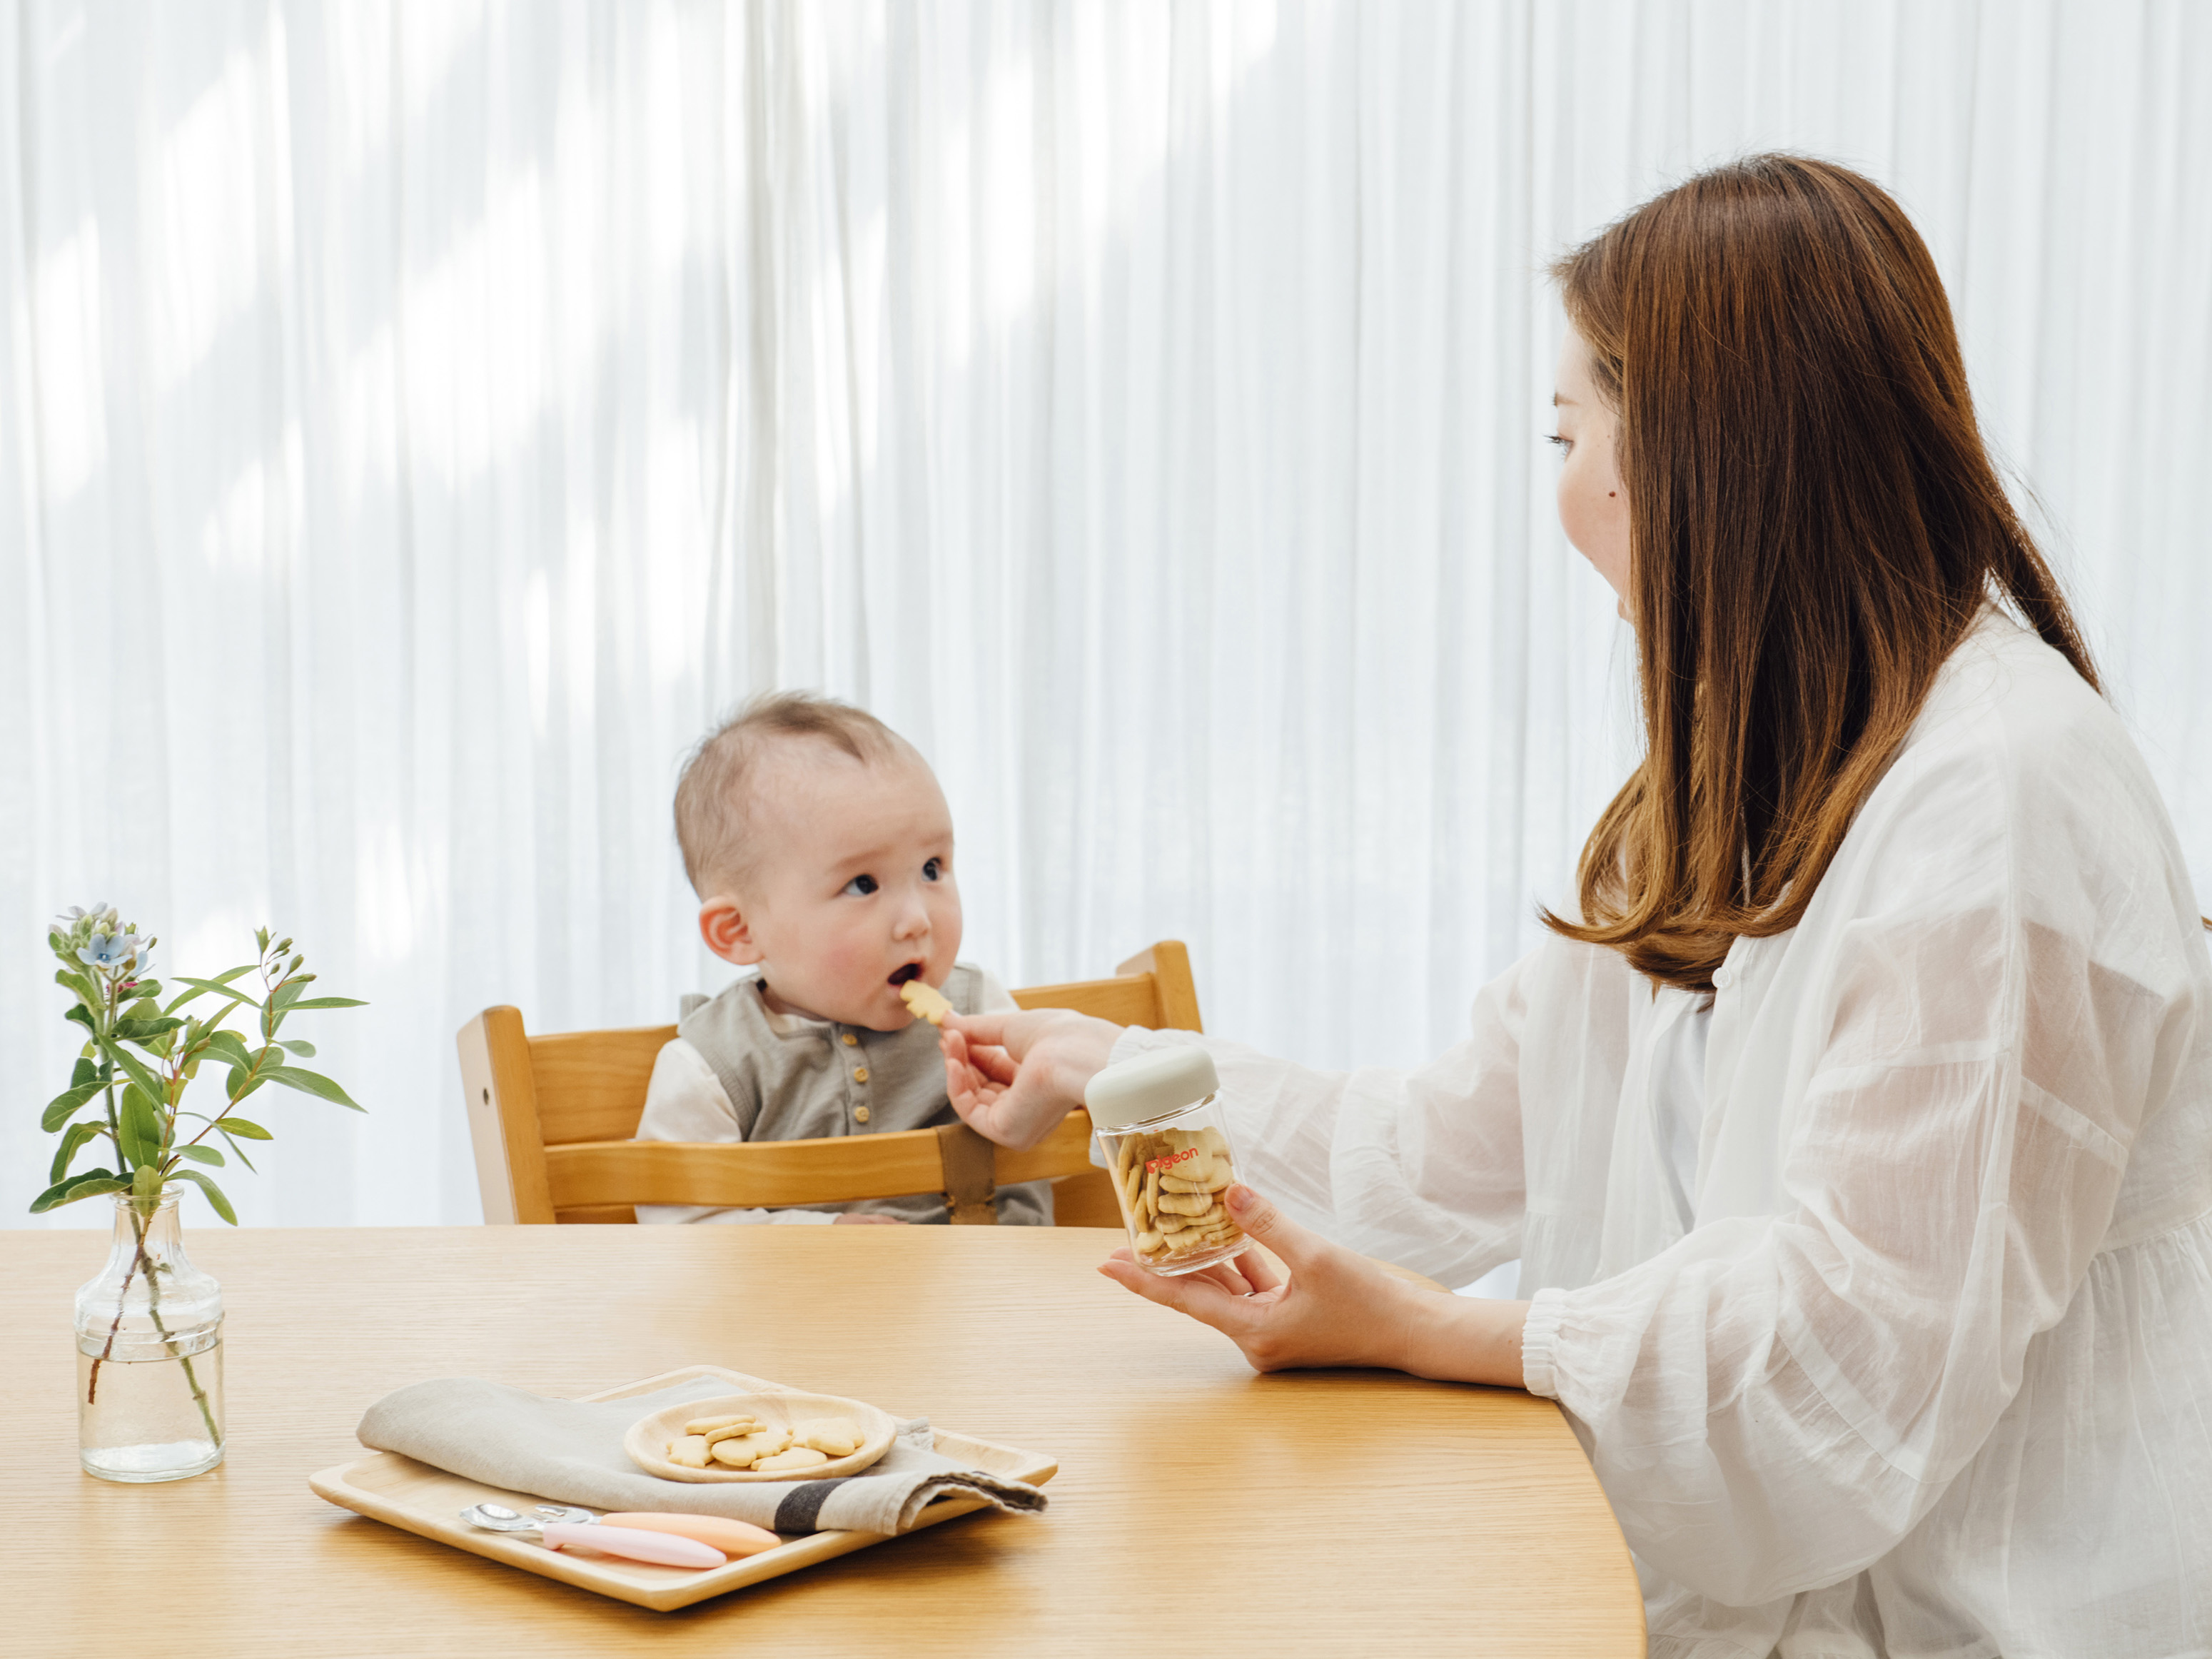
point(554, 1120)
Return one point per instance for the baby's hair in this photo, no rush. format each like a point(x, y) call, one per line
point(711, 794)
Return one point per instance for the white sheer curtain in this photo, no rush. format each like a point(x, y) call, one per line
point(422, 416)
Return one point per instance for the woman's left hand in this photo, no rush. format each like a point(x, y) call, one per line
point(1333, 1308)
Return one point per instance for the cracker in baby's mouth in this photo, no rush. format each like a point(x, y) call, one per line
point(926, 1000)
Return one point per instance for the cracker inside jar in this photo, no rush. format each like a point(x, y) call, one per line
point(1173, 1182)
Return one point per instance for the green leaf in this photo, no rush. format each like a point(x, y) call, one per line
point(75, 1139)
point(238, 1153)
point(141, 1128)
point(83, 1016)
point(222, 980)
point(146, 1180)
point(220, 985)
point(136, 1067)
point(68, 1104)
point(242, 1083)
point(138, 1031)
point(214, 1193)
point(304, 1050)
point(289, 992)
point(239, 1126)
point(312, 1083)
point(148, 990)
point(86, 1072)
point(201, 1155)
point(324, 1002)
point(230, 1047)
point(90, 1184)
point(70, 980)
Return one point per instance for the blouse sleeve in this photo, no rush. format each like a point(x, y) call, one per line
point(1421, 1167)
point(1998, 995)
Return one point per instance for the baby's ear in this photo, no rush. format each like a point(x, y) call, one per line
point(727, 932)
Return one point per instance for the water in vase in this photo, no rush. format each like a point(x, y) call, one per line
point(149, 1419)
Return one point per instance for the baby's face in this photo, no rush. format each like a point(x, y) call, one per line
point(853, 894)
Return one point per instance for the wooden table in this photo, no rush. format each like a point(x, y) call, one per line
point(1311, 1512)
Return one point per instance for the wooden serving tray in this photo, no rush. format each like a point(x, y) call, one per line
point(419, 1498)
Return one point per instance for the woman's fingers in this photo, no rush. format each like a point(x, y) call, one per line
point(1225, 1275)
point(1203, 1299)
point(980, 1028)
point(966, 1086)
point(1018, 1075)
point(1264, 1224)
point(1332, 1308)
point(1258, 1271)
point(995, 1064)
point(1013, 1030)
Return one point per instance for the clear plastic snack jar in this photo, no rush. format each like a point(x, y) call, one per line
point(1167, 1149)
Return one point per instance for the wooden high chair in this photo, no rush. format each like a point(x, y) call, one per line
point(553, 1120)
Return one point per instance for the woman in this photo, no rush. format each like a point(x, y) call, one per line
point(1855, 1133)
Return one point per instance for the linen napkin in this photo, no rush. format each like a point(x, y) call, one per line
point(570, 1451)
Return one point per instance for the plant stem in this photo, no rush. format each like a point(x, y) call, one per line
point(154, 1312)
point(115, 1134)
point(92, 1384)
point(114, 1122)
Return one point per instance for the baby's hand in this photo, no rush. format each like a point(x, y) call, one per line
point(867, 1219)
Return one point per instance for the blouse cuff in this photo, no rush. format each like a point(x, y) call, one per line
point(1537, 1337)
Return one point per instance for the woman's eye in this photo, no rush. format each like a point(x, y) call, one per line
point(1565, 444)
point(860, 886)
point(932, 870)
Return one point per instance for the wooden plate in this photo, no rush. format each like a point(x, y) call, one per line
point(646, 1443)
point(428, 1501)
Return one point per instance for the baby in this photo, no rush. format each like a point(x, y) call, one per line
point(821, 849)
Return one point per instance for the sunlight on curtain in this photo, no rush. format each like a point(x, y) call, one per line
point(421, 418)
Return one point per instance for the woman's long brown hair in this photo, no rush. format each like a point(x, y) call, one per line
point(1813, 527)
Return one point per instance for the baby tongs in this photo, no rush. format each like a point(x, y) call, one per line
point(670, 1540)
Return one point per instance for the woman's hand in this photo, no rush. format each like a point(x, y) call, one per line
point(1335, 1308)
point(1012, 1077)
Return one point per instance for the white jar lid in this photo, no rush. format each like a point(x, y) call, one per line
point(1150, 1086)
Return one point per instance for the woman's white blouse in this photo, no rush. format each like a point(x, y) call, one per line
point(1927, 1367)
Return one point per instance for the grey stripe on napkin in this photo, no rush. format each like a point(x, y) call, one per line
point(570, 1451)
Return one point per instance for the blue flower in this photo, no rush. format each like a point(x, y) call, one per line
point(108, 951)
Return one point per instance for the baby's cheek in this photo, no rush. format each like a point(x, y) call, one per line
point(857, 958)
point(945, 923)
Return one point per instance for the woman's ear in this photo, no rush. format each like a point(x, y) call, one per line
point(728, 933)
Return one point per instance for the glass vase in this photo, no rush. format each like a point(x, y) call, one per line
point(148, 1354)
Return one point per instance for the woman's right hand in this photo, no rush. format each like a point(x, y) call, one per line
point(1012, 1077)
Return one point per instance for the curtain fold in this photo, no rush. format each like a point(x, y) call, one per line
point(421, 419)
